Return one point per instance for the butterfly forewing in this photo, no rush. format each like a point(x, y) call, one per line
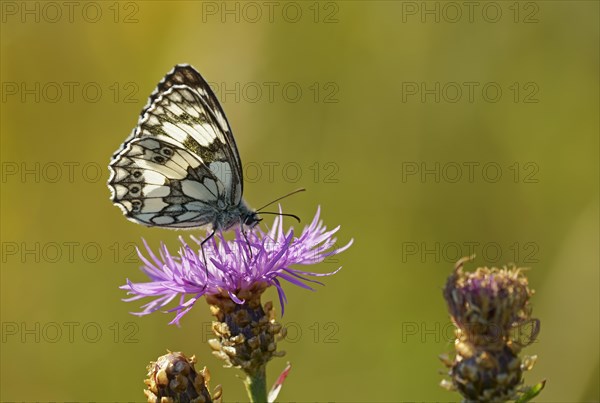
point(186, 75)
point(180, 167)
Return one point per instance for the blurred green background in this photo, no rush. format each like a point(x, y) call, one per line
point(425, 129)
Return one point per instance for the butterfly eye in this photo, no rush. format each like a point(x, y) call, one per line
point(166, 151)
point(159, 158)
point(251, 220)
point(134, 190)
point(137, 174)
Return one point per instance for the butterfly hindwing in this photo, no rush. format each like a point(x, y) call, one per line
point(159, 183)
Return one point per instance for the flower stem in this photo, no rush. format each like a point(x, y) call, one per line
point(256, 385)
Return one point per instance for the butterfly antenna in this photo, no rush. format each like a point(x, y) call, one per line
point(280, 198)
point(281, 214)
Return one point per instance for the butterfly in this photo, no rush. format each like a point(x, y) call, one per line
point(180, 167)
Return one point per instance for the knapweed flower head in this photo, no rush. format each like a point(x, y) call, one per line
point(491, 310)
point(489, 303)
point(235, 267)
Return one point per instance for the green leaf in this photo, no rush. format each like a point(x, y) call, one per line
point(531, 392)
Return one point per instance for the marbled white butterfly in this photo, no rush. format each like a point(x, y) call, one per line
point(180, 167)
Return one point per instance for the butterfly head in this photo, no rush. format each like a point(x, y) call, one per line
point(251, 219)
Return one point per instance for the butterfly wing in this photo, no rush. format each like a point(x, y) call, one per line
point(180, 165)
point(159, 183)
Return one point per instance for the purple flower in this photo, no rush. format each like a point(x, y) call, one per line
point(233, 266)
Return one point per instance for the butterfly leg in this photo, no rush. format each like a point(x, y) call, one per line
point(204, 254)
point(247, 242)
point(245, 237)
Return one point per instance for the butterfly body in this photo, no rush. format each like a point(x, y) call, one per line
point(180, 167)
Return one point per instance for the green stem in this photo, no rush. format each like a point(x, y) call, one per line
point(256, 386)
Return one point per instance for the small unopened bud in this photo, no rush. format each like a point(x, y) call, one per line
point(173, 378)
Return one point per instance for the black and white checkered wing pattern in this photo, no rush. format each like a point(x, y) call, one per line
point(180, 166)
